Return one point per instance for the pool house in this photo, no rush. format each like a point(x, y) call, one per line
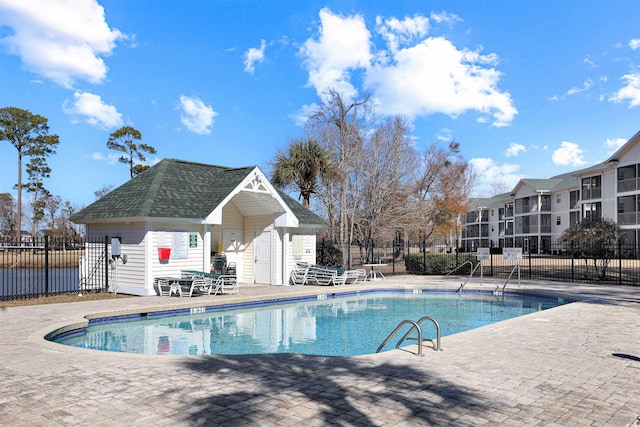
point(179, 215)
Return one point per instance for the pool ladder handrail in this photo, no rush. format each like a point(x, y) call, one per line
point(415, 327)
point(473, 270)
point(499, 291)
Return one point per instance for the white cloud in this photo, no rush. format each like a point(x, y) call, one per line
point(445, 18)
point(634, 44)
point(569, 153)
point(96, 113)
point(587, 60)
point(301, 117)
point(489, 173)
point(414, 76)
point(630, 92)
point(343, 45)
point(613, 144)
point(58, 39)
point(110, 159)
point(445, 135)
point(585, 87)
point(254, 55)
point(435, 77)
point(197, 116)
point(515, 149)
point(401, 32)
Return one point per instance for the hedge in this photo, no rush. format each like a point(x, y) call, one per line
point(439, 263)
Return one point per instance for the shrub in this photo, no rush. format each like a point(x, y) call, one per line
point(439, 263)
point(329, 255)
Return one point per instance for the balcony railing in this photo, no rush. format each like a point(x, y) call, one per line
point(628, 218)
point(627, 185)
point(592, 193)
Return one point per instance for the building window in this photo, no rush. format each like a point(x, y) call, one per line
point(592, 210)
point(558, 198)
point(558, 220)
point(591, 188)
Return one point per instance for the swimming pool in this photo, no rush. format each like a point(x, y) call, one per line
point(330, 325)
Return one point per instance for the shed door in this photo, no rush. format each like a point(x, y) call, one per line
point(262, 243)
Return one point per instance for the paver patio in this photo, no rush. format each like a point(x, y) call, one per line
point(572, 365)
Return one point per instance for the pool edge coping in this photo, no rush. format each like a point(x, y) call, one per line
point(82, 320)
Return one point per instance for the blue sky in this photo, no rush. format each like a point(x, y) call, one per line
point(529, 89)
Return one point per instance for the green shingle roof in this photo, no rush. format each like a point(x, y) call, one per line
point(177, 189)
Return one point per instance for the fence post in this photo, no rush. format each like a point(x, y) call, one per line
point(572, 261)
point(529, 255)
point(106, 263)
point(491, 262)
point(424, 255)
point(619, 262)
point(46, 265)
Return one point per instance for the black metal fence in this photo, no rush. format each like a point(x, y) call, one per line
point(618, 264)
point(51, 266)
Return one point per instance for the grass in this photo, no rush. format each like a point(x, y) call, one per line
point(58, 299)
point(36, 259)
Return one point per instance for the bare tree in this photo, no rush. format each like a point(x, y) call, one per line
point(441, 191)
point(499, 187)
point(103, 191)
point(51, 206)
point(339, 125)
point(388, 167)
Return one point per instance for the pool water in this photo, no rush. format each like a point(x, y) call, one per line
point(331, 326)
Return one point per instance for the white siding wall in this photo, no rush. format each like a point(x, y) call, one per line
point(609, 194)
point(131, 276)
point(194, 258)
point(302, 247)
point(559, 210)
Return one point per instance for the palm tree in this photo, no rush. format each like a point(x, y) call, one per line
point(301, 165)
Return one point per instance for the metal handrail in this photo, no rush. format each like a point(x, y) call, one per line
point(517, 265)
point(418, 323)
point(400, 325)
point(468, 278)
point(459, 267)
point(415, 327)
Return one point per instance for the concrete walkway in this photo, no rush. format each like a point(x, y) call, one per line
point(577, 364)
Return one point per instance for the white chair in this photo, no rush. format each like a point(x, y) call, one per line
point(164, 288)
point(229, 284)
point(299, 274)
point(196, 283)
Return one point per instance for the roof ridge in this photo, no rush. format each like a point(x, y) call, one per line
point(161, 169)
point(210, 165)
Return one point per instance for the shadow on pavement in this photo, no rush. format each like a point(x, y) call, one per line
point(267, 388)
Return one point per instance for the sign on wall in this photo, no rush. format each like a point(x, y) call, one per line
point(193, 240)
point(180, 245)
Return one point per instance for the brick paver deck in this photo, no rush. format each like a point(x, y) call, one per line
point(577, 364)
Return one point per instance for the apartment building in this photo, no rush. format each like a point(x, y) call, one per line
point(536, 212)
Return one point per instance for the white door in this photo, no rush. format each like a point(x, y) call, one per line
point(262, 252)
point(233, 249)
